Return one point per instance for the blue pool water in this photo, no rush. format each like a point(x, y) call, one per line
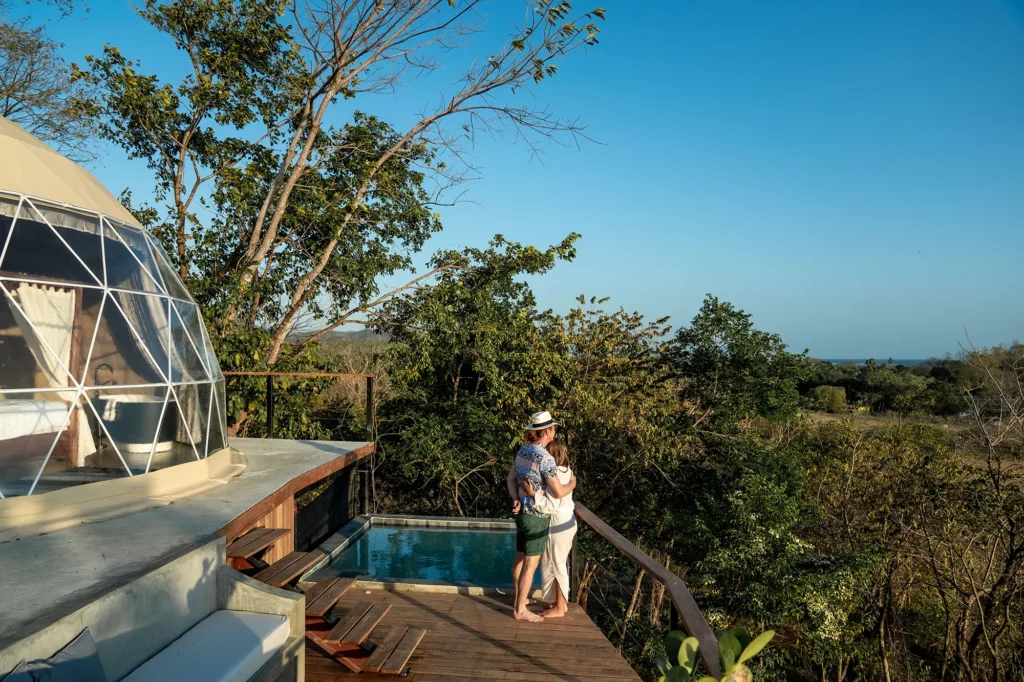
point(479, 557)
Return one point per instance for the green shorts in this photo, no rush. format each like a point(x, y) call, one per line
point(531, 533)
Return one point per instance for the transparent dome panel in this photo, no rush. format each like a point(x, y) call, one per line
point(106, 366)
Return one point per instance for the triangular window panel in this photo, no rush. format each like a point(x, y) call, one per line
point(186, 365)
point(134, 429)
point(170, 278)
point(192, 321)
point(34, 436)
point(216, 438)
point(60, 253)
point(35, 355)
point(131, 342)
point(191, 418)
point(136, 242)
point(8, 214)
point(214, 364)
point(126, 269)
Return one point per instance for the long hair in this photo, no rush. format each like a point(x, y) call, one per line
point(533, 436)
point(560, 452)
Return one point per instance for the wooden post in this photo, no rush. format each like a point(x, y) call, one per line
point(673, 618)
point(270, 406)
point(574, 571)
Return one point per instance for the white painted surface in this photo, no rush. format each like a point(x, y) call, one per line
point(226, 646)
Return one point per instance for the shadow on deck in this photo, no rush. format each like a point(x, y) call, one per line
point(475, 637)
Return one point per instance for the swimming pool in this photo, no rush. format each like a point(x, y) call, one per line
point(430, 554)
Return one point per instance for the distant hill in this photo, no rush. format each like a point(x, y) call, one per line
point(360, 335)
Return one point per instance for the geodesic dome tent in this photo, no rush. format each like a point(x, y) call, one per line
point(106, 368)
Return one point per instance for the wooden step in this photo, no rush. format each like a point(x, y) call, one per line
point(254, 542)
point(385, 649)
point(395, 663)
point(322, 597)
point(288, 568)
point(364, 628)
point(355, 625)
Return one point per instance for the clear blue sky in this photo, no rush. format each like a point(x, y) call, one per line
point(851, 173)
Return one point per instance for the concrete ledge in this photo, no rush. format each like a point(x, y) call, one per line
point(24, 517)
point(436, 587)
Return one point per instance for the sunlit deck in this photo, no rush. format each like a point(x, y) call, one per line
point(475, 637)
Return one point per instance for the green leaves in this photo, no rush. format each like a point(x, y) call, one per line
point(754, 648)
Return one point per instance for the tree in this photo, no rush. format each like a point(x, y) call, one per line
point(258, 119)
point(36, 92)
point(731, 370)
point(830, 398)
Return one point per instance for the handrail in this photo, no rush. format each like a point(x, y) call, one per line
point(693, 620)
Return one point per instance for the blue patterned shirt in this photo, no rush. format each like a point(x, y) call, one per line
point(534, 464)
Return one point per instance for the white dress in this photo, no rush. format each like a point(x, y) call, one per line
point(554, 563)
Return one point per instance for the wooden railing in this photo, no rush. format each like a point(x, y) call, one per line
point(683, 605)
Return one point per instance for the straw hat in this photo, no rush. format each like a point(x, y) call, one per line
point(541, 421)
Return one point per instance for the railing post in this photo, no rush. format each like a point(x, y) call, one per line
point(673, 616)
point(574, 570)
point(370, 416)
point(270, 406)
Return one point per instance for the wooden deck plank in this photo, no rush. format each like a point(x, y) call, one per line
point(475, 638)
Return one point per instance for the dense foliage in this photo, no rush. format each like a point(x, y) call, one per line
point(877, 549)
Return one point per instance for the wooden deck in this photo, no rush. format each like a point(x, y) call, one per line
point(476, 638)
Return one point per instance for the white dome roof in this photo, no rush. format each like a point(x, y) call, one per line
point(30, 167)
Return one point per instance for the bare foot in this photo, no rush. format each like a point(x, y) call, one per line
point(553, 612)
point(528, 616)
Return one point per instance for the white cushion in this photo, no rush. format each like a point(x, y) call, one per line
point(228, 646)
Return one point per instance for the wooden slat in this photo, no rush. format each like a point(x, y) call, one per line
point(347, 620)
point(403, 652)
point(384, 649)
point(237, 547)
point(283, 571)
point(251, 544)
point(318, 603)
point(364, 628)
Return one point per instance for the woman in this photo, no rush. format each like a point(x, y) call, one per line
point(554, 561)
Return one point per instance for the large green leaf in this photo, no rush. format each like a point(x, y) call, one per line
point(663, 665)
point(688, 654)
point(673, 641)
point(678, 674)
point(741, 635)
point(728, 651)
point(754, 648)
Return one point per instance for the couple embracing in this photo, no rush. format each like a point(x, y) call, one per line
point(540, 484)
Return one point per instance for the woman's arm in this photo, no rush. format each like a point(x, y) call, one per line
point(558, 489)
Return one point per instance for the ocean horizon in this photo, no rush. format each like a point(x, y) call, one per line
point(881, 361)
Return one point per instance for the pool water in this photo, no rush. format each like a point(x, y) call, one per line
point(479, 557)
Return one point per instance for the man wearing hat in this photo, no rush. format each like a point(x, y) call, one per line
point(534, 464)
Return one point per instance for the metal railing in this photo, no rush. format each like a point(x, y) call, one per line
point(271, 376)
point(684, 609)
point(362, 470)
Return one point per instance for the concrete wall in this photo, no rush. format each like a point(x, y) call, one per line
point(134, 618)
